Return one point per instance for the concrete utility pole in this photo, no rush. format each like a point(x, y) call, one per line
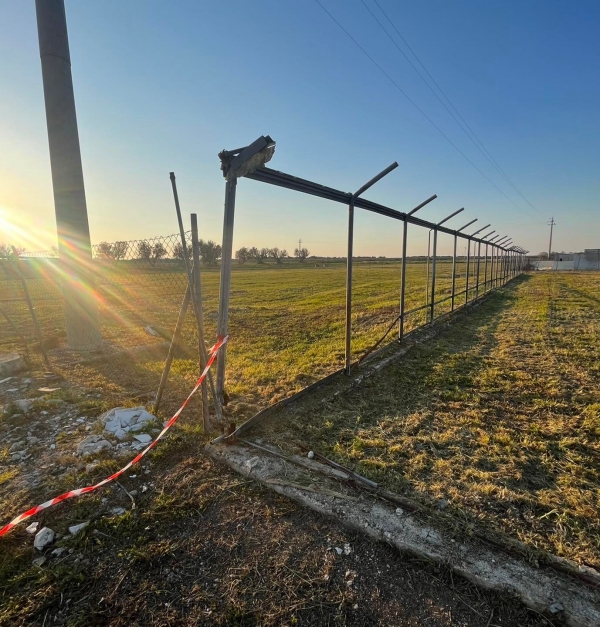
point(551, 223)
point(74, 246)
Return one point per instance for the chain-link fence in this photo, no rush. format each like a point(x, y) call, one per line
point(139, 284)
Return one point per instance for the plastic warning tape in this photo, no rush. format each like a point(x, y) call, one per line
point(72, 493)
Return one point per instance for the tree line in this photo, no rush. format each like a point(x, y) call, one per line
point(261, 254)
point(210, 252)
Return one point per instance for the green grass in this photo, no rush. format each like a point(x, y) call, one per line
point(286, 322)
point(500, 415)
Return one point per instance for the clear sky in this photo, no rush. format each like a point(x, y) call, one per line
point(164, 86)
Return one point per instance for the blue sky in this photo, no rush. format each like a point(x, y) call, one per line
point(164, 86)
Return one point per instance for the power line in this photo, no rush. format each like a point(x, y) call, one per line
point(478, 143)
point(416, 105)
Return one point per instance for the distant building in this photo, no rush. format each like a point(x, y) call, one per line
point(589, 259)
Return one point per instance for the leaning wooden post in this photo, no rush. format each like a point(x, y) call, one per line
point(188, 270)
point(197, 295)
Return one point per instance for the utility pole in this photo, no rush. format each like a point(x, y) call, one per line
point(74, 246)
point(551, 223)
point(299, 245)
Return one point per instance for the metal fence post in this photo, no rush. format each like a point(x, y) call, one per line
point(197, 296)
point(348, 351)
point(427, 270)
point(478, 264)
point(485, 267)
point(403, 280)
point(433, 268)
point(453, 273)
point(225, 286)
point(467, 271)
point(351, 204)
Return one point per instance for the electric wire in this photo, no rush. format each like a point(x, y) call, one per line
point(417, 106)
point(470, 132)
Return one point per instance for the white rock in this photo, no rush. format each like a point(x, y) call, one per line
point(58, 551)
point(75, 529)
point(120, 434)
point(112, 426)
point(52, 446)
point(117, 511)
point(32, 528)
point(92, 444)
point(43, 538)
point(310, 454)
point(144, 438)
point(399, 511)
point(24, 404)
point(134, 418)
point(338, 550)
point(347, 549)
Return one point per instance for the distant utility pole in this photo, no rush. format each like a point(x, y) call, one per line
point(551, 223)
point(74, 246)
point(299, 245)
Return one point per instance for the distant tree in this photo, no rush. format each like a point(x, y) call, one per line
point(210, 252)
point(278, 255)
point(242, 255)
point(178, 252)
point(150, 253)
point(543, 255)
point(144, 251)
point(7, 252)
point(158, 252)
point(259, 255)
point(119, 250)
point(105, 250)
point(301, 253)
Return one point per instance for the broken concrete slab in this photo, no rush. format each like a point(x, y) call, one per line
point(11, 363)
point(126, 419)
point(93, 444)
point(541, 588)
point(144, 438)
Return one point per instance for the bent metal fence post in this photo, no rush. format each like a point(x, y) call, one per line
point(250, 162)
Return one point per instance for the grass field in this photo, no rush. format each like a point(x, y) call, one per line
point(286, 322)
point(499, 416)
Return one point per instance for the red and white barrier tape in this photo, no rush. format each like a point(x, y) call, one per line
point(67, 495)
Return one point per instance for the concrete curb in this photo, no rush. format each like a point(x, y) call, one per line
point(541, 589)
